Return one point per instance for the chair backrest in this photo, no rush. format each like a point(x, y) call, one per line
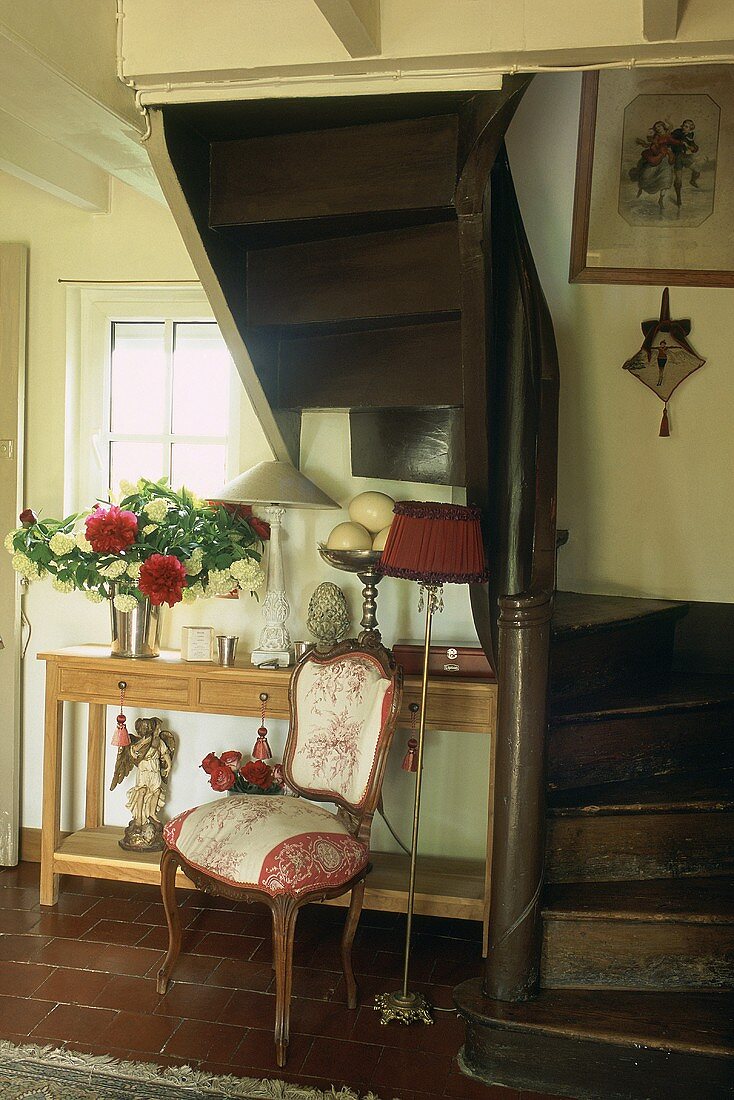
point(344, 705)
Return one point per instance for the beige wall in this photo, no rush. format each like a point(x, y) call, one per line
point(647, 515)
point(78, 38)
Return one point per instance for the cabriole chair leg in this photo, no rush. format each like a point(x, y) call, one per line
point(285, 914)
point(350, 928)
point(169, 866)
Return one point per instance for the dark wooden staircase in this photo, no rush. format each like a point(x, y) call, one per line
point(637, 904)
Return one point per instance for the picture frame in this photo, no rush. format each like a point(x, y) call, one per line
point(654, 186)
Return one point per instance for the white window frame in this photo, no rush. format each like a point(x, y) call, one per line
point(91, 312)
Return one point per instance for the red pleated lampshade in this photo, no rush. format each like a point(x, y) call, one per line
point(435, 544)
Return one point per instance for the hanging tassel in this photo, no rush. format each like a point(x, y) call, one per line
point(261, 750)
point(664, 424)
point(410, 760)
point(121, 738)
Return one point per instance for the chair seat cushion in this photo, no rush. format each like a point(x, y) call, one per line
point(272, 843)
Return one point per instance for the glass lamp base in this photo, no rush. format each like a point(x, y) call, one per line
point(410, 1009)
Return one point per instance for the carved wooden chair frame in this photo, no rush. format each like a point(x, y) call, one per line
point(284, 907)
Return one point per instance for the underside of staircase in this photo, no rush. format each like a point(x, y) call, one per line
point(637, 902)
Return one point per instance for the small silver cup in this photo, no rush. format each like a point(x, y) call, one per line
point(301, 648)
point(226, 648)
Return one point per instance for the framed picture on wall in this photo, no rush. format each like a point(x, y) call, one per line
point(654, 199)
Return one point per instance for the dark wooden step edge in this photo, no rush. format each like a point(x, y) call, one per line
point(585, 1027)
point(694, 900)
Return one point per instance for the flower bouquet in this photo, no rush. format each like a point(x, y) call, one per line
point(156, 546)
point(228, 773)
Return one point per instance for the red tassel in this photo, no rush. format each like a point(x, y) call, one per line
point(664, 425)
point(410, 760)
point(121, 738)
point(261, 750)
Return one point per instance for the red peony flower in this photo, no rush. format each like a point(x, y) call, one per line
point(258, 773)
point(231, 759)
point(28, 517)
point(162, 579)
point(111, 530)
point(222, 778)
point(210, 762)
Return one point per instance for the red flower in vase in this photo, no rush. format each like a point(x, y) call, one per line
point(258, 773)
point(231, 759)
point(162, 579)
point(28, 517)
point(222, 778)
point(110, 530)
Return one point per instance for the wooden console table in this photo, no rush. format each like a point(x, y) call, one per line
point(87, 674)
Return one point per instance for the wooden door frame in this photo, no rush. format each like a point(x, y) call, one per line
point(13, 307)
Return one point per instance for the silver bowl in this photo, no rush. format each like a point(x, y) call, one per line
point(351, 561)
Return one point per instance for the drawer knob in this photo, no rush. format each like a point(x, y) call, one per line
point(122, 684)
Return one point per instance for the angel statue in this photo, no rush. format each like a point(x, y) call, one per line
point(151, 751)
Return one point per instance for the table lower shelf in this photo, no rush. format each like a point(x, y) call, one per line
point(444, 887)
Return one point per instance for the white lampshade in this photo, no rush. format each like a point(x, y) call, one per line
point(274, 483)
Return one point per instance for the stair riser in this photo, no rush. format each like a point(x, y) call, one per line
point(623, 656)
point(637, 955)
point(607, 847)
point(590, 1069)
point(697, 742)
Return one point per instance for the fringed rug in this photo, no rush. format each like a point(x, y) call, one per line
point(47, 1073)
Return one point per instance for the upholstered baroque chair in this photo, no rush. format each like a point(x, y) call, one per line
point(287, 852)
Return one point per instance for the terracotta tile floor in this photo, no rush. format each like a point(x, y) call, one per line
point(82, 974)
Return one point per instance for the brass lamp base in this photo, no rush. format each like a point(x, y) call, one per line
point(410, 1008)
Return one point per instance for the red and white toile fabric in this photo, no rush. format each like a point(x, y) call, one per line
point(279, 845)
point(341, 708)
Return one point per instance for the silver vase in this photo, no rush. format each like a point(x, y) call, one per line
point(136, 633)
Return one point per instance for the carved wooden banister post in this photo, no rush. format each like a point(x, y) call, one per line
point(518, 849)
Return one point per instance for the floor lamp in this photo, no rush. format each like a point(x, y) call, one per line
point(433, 544)
point(277, 486)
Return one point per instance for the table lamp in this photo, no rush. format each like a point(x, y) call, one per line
point(277, 486)
point(433, 544)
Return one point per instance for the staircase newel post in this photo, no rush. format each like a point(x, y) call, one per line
point(518, 851)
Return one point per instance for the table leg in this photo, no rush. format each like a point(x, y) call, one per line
point(94, 807)
point(51, 821)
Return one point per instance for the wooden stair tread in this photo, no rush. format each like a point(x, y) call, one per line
point(687, 1022)
point(679, 694)
point(585, 613)
point(689, 900)
point(655, 794)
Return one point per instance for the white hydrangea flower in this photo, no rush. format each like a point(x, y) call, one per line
point(22, 564)
point(247, 573)
point(8, 540)
point(127, 488)
point(124, 602)
point(194, 565)
point(149, 527)
point(193, 592)
point(220, 582)
point(93, 596)
point(133, 569)
point(114, 570)
point(156, 509)
point(83, 542)
point(61, 585)
point(61, 544)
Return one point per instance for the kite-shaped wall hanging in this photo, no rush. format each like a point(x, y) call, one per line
point(665, 358)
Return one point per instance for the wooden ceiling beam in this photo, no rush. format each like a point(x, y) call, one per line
point(356, 23)
point(660, 20)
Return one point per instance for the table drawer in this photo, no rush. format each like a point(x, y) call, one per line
point(102, 686)
point(218, 694)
